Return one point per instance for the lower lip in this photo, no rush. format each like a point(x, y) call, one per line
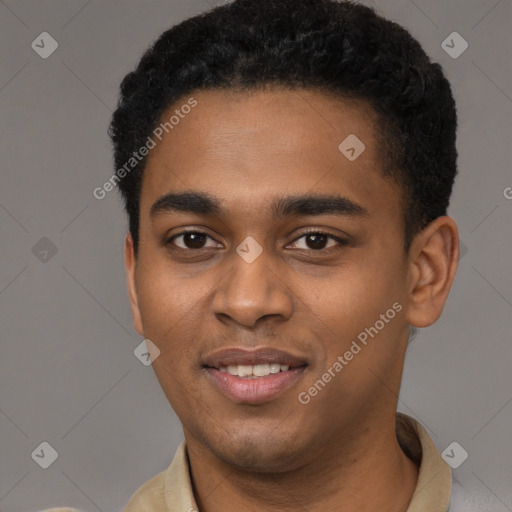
point(254, 391)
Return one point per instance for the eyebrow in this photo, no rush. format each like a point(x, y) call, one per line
point(201, 203)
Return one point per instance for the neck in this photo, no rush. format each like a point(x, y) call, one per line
point(346, 476)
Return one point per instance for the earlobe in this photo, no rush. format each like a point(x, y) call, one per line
point(130, 262)
point(434, 261)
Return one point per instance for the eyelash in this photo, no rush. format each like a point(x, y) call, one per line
point(341, 241)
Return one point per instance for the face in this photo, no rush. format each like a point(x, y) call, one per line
point(284, 253)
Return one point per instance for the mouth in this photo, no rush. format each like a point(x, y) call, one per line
point(254, 371)
point(253, 377)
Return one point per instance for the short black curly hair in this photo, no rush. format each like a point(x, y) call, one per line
point(340, 47)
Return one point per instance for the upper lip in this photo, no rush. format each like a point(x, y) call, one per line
point(232, 356)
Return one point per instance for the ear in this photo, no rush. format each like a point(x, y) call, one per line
point(130, 262)
point(434, 258)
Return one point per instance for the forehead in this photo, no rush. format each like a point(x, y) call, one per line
point(245, 147)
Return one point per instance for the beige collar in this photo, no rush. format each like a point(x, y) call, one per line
point(172, 489)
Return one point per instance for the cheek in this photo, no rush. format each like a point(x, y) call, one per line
point(163, 315)
point(169, 314)
point(355, 296)
point(172, 312)
point(362, 314)
point(162, 298)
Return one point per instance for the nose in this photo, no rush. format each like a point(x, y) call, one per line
point(252, 290)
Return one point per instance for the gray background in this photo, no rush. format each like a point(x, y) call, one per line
point(68, 374)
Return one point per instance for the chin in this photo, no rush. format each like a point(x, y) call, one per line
point(261, 453)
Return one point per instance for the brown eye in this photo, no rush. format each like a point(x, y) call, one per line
point(317, 241)
point(189, 240)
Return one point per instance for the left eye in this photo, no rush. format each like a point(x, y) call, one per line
point(317, 240)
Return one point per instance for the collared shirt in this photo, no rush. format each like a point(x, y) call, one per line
point(171, 490)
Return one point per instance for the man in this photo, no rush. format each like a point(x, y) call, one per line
point(286, 167)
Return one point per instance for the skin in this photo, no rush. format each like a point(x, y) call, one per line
point(338, 452)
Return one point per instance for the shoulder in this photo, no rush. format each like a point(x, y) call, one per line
point(149, 497)
point(170, 489)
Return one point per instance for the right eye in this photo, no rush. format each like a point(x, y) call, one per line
point(190, 240)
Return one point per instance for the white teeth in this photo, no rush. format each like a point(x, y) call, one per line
point(275, 368)
point(260, 370)
point(256, 370)
point(244, 370)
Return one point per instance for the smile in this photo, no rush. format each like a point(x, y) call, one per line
point(254, 370)
point(253, 376)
